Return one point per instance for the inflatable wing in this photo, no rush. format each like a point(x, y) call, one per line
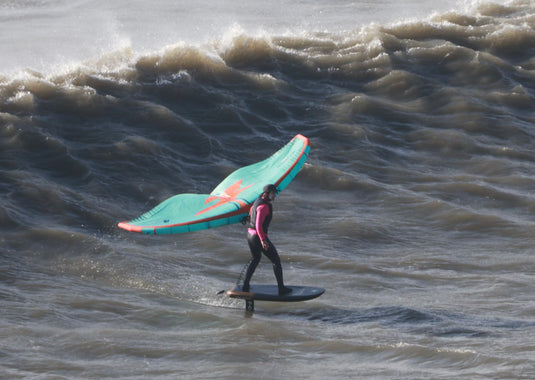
point(230, 201)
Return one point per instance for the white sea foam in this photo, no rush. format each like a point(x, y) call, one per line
point(50, 34)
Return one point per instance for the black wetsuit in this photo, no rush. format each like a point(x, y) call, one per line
point(256, 247)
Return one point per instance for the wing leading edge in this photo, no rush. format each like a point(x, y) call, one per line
point(230, 201)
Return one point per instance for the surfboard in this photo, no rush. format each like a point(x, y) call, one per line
point(271, 293)
point(230, 201)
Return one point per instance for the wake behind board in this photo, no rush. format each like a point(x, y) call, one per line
point(271, 293)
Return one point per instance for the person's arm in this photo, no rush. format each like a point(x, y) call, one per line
point(261, 212)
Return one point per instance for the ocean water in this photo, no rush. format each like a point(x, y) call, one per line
point(415, 209)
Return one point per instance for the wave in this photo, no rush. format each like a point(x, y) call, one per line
point(439, 110)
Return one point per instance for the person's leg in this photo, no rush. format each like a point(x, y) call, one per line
point(273, 255)
point(256, 251)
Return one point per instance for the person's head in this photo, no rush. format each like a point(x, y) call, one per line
point(270, 191)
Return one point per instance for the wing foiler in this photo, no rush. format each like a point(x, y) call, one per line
point(230, 201)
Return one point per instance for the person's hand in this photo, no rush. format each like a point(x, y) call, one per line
point(265, 245)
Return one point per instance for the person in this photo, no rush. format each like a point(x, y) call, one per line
point(257, 236)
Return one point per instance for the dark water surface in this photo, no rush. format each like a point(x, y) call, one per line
point(415, 209)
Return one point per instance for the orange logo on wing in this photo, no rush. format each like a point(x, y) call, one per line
point(229, 195)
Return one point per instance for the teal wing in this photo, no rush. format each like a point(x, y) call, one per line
point(230, 201)
point(279, 169)
point(187, 213)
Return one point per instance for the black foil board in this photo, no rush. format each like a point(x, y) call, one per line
point(271, 293)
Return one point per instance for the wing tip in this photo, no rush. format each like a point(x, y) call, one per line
point(129, 227)
point(302, 137)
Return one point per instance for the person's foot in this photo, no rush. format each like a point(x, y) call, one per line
point(284, 290)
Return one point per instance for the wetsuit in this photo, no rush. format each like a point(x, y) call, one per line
point(260, 218)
